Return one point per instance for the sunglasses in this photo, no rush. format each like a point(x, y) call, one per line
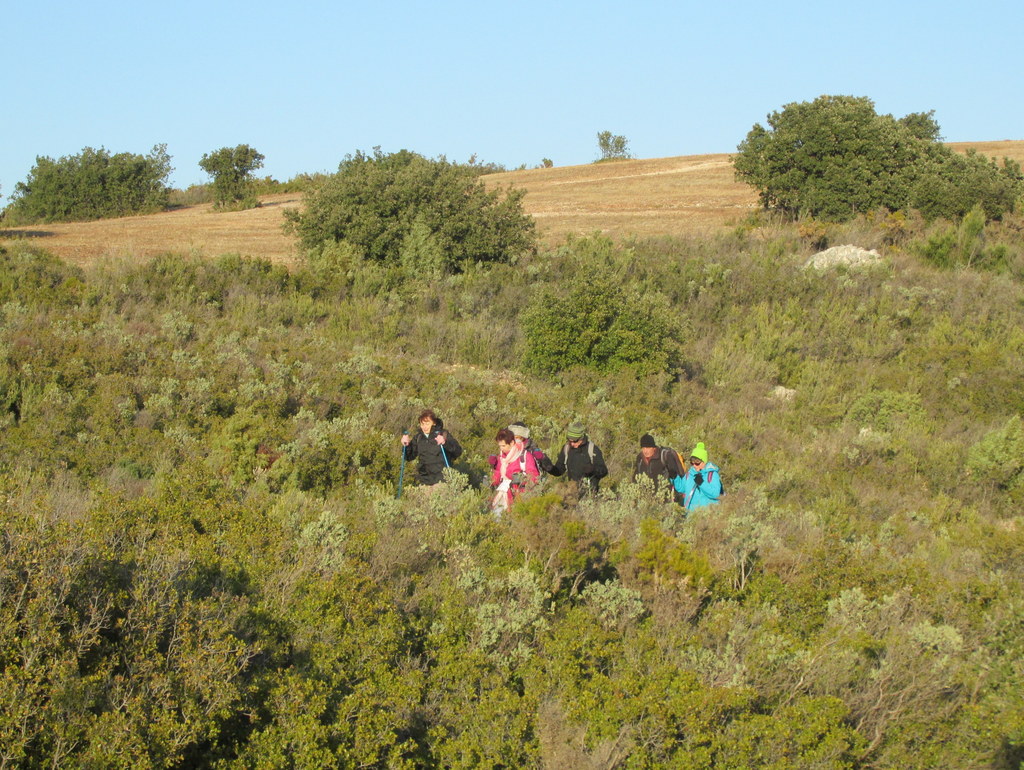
point(696, 461)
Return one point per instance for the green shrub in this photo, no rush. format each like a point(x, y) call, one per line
point(92, 185)
point(836, 157)
point(963, 245)
point(403, 203)
point(602, 320)
point(231, 169)
point(998, 459)
point(668, 562)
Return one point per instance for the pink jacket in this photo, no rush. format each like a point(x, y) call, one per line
point(508, 465)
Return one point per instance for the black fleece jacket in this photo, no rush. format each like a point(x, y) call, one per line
point(428, 451)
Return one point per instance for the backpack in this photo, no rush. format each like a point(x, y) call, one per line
point(670, 457)
point(672, 461)
point(590, 451)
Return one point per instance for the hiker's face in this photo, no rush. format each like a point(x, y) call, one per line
point(426, 425)
point(504, 447)
point(648, 451)
point(697, 463)
point(576, 442)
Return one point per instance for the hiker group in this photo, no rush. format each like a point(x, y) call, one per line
point(519, 464)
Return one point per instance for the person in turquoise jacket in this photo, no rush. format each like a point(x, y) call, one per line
point(701, 485)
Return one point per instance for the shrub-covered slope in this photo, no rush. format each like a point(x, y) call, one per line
point(204, 563)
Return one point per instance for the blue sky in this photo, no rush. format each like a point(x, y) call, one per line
point(513, 83)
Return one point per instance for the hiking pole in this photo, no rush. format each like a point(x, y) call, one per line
point(445, 456)
point(401, 472)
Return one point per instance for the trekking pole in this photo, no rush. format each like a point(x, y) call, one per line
point(401, 472)
point(445, 456)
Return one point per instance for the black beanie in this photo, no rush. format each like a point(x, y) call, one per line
point(647, 440)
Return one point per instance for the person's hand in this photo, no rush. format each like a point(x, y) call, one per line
point(439, 439)
point(406, 440)
point(493, 461)
point(698, 479)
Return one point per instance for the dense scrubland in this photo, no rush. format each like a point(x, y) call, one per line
point(204, 563)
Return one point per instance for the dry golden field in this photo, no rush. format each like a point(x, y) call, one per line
point(687, 195)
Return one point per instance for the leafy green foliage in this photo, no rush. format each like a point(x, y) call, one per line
point(601, 320)
point(231, 169)
point(998, 459)
point(203, 562)
point(963, 245)
point(951, 185)
point(836, 157)
point(92, 185)
point(402, 207)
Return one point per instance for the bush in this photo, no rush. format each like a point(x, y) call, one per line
point(950, 185)
point(836, 157)
point(92, 185)
point(231, 169)
point(963, 245)
point(602, 321)
point(403, 205)
point(998, 459)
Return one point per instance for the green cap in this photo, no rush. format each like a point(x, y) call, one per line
point(700, 452)
point(576, 431)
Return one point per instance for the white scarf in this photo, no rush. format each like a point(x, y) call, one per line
point(500, 502)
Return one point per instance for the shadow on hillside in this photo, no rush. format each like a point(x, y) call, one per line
point(15, 232)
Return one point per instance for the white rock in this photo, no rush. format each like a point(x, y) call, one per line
point(782, 393)
point(842, 255)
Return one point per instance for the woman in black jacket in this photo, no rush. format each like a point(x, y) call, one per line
point(435, 447)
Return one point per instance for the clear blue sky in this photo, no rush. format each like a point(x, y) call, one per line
point(307, 83)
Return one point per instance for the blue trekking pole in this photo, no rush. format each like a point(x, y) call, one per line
point(401, 472)
point(445, 456)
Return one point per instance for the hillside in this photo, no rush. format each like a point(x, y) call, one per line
point(663, 196)
point(691, 194)
point(216, 553)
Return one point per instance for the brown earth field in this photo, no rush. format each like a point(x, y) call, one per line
point(683, 196)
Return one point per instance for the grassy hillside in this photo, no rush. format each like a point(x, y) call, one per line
point(204, 563)
point(683, 196)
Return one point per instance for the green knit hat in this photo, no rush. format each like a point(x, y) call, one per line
point(700, 452)
point(576, 431)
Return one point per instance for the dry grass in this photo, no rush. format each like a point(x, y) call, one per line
point(198, 230)
point(687, 195)
point(692, 194)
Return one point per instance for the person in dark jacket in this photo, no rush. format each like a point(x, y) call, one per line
point(435, 447)
point(660, 464)
point(581, 460)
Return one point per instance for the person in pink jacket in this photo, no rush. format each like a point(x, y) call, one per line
point(514, 470)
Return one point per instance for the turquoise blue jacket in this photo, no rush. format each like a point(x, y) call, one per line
point(706, 494)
